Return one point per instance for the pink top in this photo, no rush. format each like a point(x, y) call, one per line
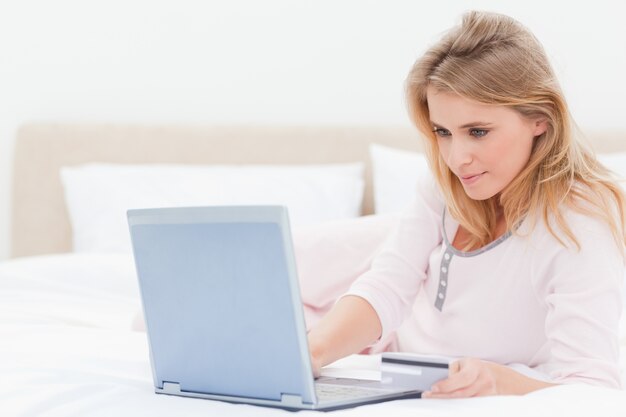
point(519, 300)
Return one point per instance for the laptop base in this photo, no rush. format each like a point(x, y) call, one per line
point(288, 402)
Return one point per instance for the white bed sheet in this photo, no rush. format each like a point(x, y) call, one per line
point(67, 349)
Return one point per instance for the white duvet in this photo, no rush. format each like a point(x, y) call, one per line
point(67, 349)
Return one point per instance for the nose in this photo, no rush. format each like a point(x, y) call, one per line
point(458, 153)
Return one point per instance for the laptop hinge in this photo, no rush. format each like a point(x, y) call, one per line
point(290, 400)
point(171, 387)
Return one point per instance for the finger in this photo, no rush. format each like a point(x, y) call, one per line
point(471, 391)
point(463, 373)
point(483, 385)
point(316, 368)
point(454, 367)
point(454, 383)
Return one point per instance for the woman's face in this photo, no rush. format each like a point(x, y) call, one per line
point(485, 146)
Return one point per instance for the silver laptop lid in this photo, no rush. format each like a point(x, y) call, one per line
point(221, 301)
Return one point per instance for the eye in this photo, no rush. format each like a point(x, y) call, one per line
point(478, 133)
point(442, 133)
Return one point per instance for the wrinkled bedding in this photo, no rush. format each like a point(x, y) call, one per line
point(67, 348)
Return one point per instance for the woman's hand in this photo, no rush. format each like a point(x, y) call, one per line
point(315, 364)
point(471, 377)
point(350, 326)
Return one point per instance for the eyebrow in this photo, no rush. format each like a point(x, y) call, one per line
point(466, 125)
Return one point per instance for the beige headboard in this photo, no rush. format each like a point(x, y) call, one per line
point(40, 222)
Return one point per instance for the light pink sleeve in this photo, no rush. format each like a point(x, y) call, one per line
point(582, 292)
point(330, 256)
point(399, 268)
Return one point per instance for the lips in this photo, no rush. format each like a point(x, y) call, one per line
point(471, 178)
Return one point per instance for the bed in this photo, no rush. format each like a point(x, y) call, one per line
point(71, 344)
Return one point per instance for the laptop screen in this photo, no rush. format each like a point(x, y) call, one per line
point(221, 300)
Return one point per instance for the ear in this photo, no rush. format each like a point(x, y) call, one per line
point(541, 125)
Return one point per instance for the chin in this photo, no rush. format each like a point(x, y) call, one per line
point(479, 195)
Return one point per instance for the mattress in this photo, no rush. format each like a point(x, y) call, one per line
point(69, 349)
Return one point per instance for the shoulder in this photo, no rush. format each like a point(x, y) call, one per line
point(419, 224)
point(428, 194)
point(591, 232)
point(587, 221)
point(597, 257)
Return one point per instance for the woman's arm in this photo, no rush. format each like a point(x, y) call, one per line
point(351, 325)
point(582, 291)
point(380, 299)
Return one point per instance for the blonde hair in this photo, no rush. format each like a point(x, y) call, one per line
point(493, 59)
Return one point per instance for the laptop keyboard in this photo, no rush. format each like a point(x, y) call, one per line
point(331, 392)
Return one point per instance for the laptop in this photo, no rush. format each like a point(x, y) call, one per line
point(223, 311)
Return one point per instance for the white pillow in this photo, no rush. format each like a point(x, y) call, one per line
point(98, 195)
point(395, 174)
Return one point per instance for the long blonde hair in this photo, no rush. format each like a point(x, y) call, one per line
point(493, 59)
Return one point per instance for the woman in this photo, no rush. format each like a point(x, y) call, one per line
point(514, 253)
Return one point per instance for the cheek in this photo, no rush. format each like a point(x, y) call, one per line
point(523, 149)
point(444, 149)
point(513, 154)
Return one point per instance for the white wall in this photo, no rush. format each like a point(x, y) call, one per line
point(271, 61)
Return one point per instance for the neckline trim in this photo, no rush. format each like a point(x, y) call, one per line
point(475, 252)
